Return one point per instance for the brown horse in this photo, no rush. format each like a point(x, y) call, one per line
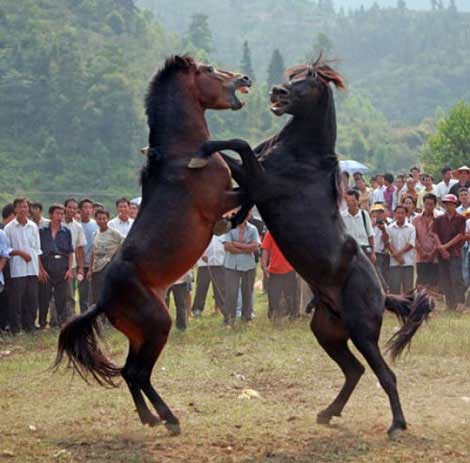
point(179, 210)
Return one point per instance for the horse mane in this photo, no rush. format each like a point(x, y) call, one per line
point(173, 65)
point(322, 67)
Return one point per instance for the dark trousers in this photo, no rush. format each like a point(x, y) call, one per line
point(71, 287)
point(205, 276)
point(58, 285)
point(401, 279)
point(233, 278)
point(97, 282)
point(179, 296)
point(382, 265)
point(4, 305)
point(84, 292)
point(279, 285)
point(23, 303)
point(451, 281)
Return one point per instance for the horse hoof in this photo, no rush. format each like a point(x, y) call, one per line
point(198, 163)
point(173, 428)
point(221, 227)
point(394, 433)
point(323, 418)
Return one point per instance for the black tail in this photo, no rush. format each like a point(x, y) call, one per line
point(78, 339)
point(412, 310)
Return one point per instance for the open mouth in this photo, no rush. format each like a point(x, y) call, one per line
point(278, 106)
point(243, 88)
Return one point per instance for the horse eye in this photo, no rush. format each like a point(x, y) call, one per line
point(210, 68)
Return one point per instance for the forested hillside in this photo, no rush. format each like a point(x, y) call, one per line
point(72, 78)
point(73, 74)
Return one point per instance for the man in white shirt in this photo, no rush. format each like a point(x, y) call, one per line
point(429, 187)
point(443, 187)
point(210, 269)
point(23, 239)
point(358, 224)
point(122, 223)
point(377, 195)
point(78, 243)
point(402, 237)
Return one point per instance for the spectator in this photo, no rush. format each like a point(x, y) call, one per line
point(377, 195)
point(122, 223)
point(55, 266)
point(415, 174)
point(180, 289)
point(410, 206)
point(364, 194)
point(444, 186)
point(397, 195)
point(23, 239)
point(36, 215)
point(210, 269)
point(134, 205)
point(8, 214)
point(78, 243)
point(409, 190)
point(426, 245)
point(240, 245)
point(89, 226)
point(389, 190)
point(358, 225)
point(5, 251)
point(463, 176)
point(381, 239)
point(449, 231)
point(106, 243)
point(464, 200)
point(282, 280)
point(401, 246)
point(429, 187)
point(96, 207)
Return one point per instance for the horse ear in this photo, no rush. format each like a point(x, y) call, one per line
point(180, 61)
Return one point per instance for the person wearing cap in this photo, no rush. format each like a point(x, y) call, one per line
point(402, 254)
point(134, 206)
point(426, 244)
point(449, 231)
point(463, 175)
point(381, 240)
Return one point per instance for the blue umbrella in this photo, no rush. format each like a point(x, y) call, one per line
point(352, 166)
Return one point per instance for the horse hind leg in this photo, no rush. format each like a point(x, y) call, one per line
point(333, 337)
point(369, 348)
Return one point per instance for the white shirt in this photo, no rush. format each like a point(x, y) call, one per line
point(215, 253)
point(377, 196)
point(24, 238)
point(355, 226)
point(121, 226)
point(399, 238)
point(443, 188)
point(78, 237)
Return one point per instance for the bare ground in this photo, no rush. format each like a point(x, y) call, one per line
point(47, 417)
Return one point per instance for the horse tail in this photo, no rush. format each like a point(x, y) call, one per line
point(412, 310)
point(78, 340)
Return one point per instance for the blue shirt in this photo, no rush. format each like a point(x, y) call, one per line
point(61, 244)
point(89, 228)
point(242, 262)
point(4, 251)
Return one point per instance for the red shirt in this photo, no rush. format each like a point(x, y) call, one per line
point(277, 262)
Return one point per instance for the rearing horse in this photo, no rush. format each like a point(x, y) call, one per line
point(179, 210)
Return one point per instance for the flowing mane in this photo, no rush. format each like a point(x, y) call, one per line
point(161, 80)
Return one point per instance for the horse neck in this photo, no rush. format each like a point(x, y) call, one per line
point(178, 125)
point(316, 128)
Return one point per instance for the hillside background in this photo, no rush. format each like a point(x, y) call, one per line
point(73, 74)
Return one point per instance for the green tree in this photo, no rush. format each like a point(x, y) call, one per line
point(245, 65)
point(199, 33)
point(451, 142)
point(276, 69)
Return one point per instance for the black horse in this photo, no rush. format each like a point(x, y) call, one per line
point(293, 178)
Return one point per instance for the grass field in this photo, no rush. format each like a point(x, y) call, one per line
point(47, 417)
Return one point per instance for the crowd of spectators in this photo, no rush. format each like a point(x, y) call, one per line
point(415, 232)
